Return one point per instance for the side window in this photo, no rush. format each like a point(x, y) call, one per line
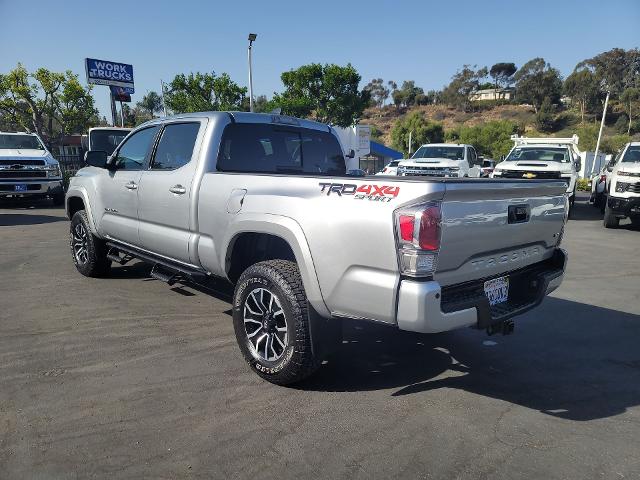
point(175, 147)
point(264, 148)
point(471, 157)
point(134, 151)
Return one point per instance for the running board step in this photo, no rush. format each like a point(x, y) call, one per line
point(162, 273)
point(114, 256)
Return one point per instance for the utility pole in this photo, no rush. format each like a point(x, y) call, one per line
point(164, 105)
point(410, 142)
point(252, 38)
point(121, 115)
point(113, 109)
point(604, 114)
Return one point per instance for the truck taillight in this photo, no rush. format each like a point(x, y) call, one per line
point(418, 237)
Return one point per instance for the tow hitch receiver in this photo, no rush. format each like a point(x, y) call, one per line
point(506, 328)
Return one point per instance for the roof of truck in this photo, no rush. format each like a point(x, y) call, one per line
point(248, 117)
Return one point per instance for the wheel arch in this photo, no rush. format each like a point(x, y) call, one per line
point(276, 237)
point(78, 199)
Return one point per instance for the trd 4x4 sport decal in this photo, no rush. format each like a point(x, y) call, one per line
point(375, 193)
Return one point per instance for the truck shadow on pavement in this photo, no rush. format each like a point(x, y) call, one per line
point(20, 219)
point(566, 359)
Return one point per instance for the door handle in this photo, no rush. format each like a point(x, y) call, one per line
point(132, 185)
point(178, 189)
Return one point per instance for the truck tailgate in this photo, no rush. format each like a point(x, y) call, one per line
point(481, 239)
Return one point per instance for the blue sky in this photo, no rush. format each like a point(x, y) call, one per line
point(425, 41)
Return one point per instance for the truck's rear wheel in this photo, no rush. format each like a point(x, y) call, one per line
point(610, 220)
point(88, 251)
point(271, 322)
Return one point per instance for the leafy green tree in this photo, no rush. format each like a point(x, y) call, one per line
point(422, 131)
point(325, 93)
point(502, 74)
point(263, 105)
point(614, 143)
point(201, 92)
point(582, 86)
point(492, 138)
point(151, 103)
point(48, 103)
point(544, 116)
point(588, 135)
point(537, 80)
point(617, 69)
point(463, 83)
point(630, 99)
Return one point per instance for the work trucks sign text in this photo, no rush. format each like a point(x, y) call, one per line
point(102, 72)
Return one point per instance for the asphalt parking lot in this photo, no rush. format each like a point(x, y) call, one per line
point(127, 377)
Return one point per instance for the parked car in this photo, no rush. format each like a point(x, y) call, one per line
point(543, 158)
point(264, 202)
point(442, 160)
point(390, 169)
point(27, 168)
point(623, 191)
point(487, 168)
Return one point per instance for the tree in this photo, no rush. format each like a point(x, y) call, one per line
point(463, 83)
point(582, 87)
point(151, 103)
point(617, 69)
point(422, 131)
point(629, 98)
point(201, 92)
point(537, 80)
point(325, 93)
point(492, 138)
point(48, 103)
point(379, 93)
point(544, 116)
point(502, 74)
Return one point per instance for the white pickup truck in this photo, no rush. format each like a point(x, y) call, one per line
point(450, 160)
point(265, 202)
point(623, 190)
point(543, 158)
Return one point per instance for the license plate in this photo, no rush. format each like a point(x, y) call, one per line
point(20, 187)
point(497, 290)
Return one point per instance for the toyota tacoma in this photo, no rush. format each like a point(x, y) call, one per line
point(265, 202)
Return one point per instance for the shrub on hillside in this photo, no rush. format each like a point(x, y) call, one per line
point(422, 131)
point(492, 139)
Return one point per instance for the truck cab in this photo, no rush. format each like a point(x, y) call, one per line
point(623, 191)
point(442, 160)
point(27, 168)
point(543, 158)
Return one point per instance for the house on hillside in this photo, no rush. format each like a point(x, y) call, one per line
point(492, 94)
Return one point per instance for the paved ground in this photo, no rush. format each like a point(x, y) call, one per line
point(127, 377)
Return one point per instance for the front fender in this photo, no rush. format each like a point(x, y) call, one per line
point(290, 231)
point(78, 191)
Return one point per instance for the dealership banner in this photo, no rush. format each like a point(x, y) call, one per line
point(103, 72)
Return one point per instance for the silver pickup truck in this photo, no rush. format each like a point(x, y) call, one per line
point(264, 202)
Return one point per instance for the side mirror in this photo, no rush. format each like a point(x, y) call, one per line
point(351, 154)
point(578, 165)
point(96, 158)
point(609, 167)
point(502, 157)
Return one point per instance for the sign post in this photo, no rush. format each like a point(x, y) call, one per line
point(114, 74)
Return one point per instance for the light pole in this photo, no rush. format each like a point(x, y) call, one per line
point(252, 38)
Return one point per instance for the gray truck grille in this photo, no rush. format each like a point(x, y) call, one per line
point(22, 173)
point(38, 163)
point(529, 173)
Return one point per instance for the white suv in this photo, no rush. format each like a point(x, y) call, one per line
point(442, 160)
point(623, 193)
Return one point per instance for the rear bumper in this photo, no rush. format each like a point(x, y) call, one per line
point(34, 187)
point(624, 206)
point(426, 307)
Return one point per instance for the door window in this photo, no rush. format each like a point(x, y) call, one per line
point(473, 159)
point(175, 147)
point(134, 151)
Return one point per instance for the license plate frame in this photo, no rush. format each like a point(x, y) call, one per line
point(20, 187)
point(497, 290)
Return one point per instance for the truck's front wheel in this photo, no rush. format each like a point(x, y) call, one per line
point(88, 251)
point(610, 220)
point(271, 322)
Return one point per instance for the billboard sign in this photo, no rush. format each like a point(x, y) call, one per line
point(102, 72)
point(363, 134)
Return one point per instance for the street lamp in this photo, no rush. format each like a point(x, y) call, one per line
point(252, 38)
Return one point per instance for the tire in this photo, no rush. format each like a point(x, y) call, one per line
point(89, 253)
point(610, 220)
point(58, 199)
point(263, 290)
